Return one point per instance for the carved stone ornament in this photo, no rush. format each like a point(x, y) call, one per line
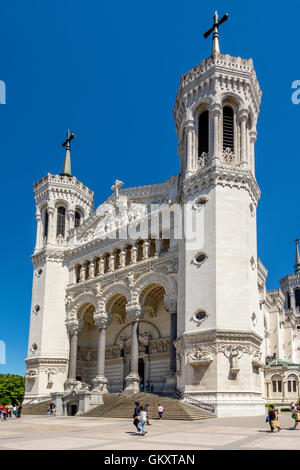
point(228, 156)
point(203, 160)
point(234, 353)
point(31, 375)
point(200, 355)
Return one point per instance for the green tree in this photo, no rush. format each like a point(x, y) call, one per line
point(12, 388)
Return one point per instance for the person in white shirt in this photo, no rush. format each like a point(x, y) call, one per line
point(160, 411)
point(142, 421)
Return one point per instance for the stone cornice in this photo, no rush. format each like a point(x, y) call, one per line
point(225, 175)
point(55, 256)
point(227, 336)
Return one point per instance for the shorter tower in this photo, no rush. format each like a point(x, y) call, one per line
point(62, 203)
point(290, 286)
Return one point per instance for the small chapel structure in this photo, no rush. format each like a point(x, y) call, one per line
point(121, 296)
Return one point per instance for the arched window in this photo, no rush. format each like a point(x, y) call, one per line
point(46, 223)
point(287, 300)
point(292, 384)
point(77, 219)
point(228, 128)
point(203, 133)
point(61, 218)
point(297, 297)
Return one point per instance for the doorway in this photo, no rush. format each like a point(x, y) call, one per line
point(72, 410)
point(142, 370)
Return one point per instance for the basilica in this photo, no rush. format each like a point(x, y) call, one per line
point(162, 283)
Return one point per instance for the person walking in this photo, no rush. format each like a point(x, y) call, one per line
point(151, 386)
point(9, 410)
point(19, 411)
point(273, 419)
point(53, 410)
point(142, 417)
point(15, 411)
point(296, 415)
point(160, 411)
point(50, 410)
point(136, 413)
point(4, 412)
point(1, 410)
point(146, 407)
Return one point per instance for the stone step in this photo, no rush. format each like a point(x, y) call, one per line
point(36, 408)
point(122, 407)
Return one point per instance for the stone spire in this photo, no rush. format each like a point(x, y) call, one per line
point(67, 164)
point(215, 30)
point(297, 265)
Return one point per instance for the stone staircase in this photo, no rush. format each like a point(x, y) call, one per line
point(36, 408)
point(122, 407)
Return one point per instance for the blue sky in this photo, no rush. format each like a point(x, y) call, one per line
point(109, 71)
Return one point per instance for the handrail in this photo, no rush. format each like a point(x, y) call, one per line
point(196, 402)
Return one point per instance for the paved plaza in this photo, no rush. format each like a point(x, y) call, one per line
point(75, 433)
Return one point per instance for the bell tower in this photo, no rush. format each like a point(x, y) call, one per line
point(62, 203)
point(220, 324)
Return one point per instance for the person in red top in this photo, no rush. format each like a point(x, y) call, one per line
point(4, 412)
point(1, 410)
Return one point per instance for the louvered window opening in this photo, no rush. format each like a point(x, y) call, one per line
point(61, 216)
point(203, 133)
point(228, 128)
point(46, 224)
point(77, 219)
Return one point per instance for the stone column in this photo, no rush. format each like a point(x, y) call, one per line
point(111, 262)
point(253, 137)
point(51, 226)
point(171, 305)
point(71, 218)
point(133, 379)
point(101, 265)
point(284, 390)
point(122, 258)
point(293, 301)
point(92, 270)
point(73, 328)
point(100, 381)
point(145, 250)
point(243, 116)
point(133, 254)
point(189, 151)
point(82, 273)
point(216, 113)
point(39, 227)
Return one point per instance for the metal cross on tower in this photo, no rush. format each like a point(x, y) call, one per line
point(67, 165)
point(215, 30)
point(297, 265)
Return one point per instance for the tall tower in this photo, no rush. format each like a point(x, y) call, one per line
point(220, 324)
point(62, 202)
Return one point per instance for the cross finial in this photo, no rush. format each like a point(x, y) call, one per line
point(215, 29)
point(67, 164)
point(297, 265)
point(118, 185)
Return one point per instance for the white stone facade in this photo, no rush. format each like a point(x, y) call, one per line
point(113, 305)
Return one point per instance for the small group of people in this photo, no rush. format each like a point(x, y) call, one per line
point(9, 411)
point(148, 387)
point(52, 410)
point(273, 419)
point(141, 417)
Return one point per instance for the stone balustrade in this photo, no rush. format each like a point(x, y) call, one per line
point(121, 257)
